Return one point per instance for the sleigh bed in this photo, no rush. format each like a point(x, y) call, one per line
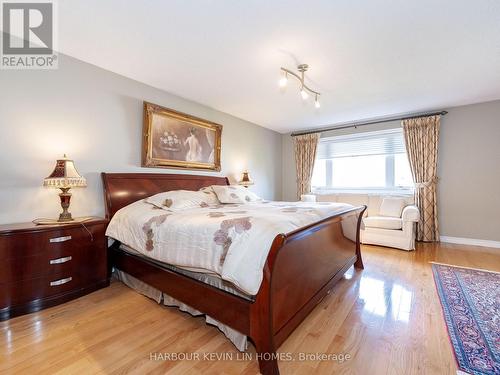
point(302, 266)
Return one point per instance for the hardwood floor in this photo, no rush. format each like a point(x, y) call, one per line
point(387, 318)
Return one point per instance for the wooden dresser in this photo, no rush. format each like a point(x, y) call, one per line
point(44, 265)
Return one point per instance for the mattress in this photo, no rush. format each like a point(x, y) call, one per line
point(210, 279)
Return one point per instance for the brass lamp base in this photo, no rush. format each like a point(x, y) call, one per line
point(65, 201)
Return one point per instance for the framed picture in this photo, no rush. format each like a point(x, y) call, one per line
point(176, 140)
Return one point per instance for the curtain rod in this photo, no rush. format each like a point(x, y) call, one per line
point(369, 122)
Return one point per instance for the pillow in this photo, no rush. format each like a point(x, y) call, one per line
point(207, 190)
point(182, 199)
point(392, 207)
point(210, 194)
point(234, 194)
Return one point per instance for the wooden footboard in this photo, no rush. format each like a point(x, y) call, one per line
point(301, 268)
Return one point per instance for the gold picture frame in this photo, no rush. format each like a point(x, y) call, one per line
point(177, 140)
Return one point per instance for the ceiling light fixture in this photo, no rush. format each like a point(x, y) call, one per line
point(284, 80)
point(304, 94)
point(304, 90)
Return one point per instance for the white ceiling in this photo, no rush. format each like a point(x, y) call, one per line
point(369, 58)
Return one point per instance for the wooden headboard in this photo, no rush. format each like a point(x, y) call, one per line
point(122, 189)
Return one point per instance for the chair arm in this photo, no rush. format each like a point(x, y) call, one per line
point(308, 198)
point(410, 213)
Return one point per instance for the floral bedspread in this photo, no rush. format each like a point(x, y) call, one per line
point(230, 240)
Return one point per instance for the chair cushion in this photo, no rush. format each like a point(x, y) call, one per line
point(383, 222)
point(392, 207)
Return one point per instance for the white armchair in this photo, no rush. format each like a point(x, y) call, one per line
point(392, 231)
point(397, 230)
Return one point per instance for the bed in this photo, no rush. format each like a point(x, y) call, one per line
point(300, 267)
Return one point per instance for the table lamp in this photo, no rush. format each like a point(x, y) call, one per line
point(65, 177)
point(245, 180)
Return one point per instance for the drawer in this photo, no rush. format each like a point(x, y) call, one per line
point(54, 254)
point(20, 292)
point(47, 263)
point(54, 240)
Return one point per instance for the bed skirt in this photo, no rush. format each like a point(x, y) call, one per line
point(238, 339)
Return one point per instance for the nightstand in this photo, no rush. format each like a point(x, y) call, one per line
point(45, 265)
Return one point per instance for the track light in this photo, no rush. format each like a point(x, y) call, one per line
point(304, 90)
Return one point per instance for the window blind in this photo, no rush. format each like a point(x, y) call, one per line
point(384, 142)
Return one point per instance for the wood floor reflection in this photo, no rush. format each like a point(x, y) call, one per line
point(387, 318)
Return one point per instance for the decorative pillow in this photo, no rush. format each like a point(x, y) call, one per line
point(210, 193)
point(183, 199)
point(207, 189)
point(392, 207)
point(235, 194)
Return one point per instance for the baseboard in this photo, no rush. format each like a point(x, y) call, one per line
point(470, 241)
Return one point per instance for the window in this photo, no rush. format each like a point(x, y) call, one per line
point(364, 161)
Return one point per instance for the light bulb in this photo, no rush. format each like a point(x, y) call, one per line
point(283, 81)
point(316, 103)
point(304, 94)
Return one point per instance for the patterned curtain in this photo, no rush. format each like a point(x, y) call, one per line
point(305, 154)
point(421, 138)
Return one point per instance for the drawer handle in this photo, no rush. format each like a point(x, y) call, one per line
point(60, 239)
point(60, 260)
point(61, 281)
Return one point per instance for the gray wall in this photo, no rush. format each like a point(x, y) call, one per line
point(469, 171)
point(468, 168)
point(95, 116)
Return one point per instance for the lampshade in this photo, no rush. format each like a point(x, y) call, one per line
point(245, 180)
point(65, 175)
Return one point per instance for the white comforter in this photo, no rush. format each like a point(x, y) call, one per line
point(229, 240)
